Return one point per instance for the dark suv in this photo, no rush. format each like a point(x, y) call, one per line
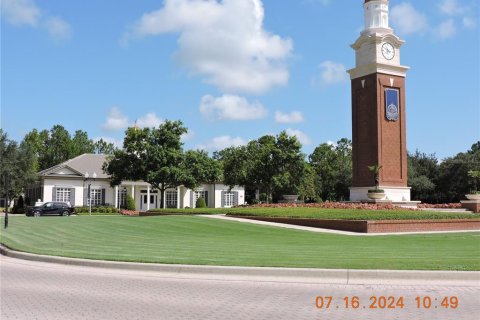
point(51, 208)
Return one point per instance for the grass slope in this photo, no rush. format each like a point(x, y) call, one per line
point(322, 213)
point(204, 241)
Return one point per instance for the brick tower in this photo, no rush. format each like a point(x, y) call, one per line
point(378, 108)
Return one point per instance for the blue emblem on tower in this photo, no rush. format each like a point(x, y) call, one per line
point(391, 104)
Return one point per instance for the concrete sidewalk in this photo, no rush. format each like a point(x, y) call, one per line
point(321, 230)
point(284, 275)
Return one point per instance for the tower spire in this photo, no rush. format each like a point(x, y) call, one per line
point(376, 15)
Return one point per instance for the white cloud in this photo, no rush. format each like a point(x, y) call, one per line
point(322, 2)
point(301, 136)
point(231, 107)
point(332, 73)
point(469, 22)
point(58, 28)
point(407, 20)
point(446, 29)
point(224, 42)
point(20, 12)
point(150, 120)
point(188, 136)
point(220, 143)
point(293, 117)
point(26, 12)
point(115, 120)
point(451, 7)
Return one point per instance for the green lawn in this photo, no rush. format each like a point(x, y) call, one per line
point(205, 241)
point(322, 213)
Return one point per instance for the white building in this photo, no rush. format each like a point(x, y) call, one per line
point(66, 182)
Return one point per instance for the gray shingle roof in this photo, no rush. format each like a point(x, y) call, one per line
point(84, 163)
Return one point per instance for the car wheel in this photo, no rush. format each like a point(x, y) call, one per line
point(65, 213)
point(36, 214)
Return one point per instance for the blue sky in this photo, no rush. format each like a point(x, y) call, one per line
point(231, 70)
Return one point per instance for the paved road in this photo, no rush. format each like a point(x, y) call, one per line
point(39, 290)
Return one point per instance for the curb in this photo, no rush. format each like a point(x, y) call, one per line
point(293, 275)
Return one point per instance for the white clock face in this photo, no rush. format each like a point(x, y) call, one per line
point(388, 51)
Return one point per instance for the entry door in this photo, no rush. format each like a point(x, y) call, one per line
point(153, 201)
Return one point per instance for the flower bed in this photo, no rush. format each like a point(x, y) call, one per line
point(440, 206)
point(333, 205)
point(130, 212)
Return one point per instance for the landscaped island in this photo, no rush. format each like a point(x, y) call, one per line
point(205, 241)
point(362, 218)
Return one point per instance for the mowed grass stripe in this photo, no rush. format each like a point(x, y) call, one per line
point(197, 240)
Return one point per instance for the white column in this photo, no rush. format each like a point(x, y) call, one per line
point(165, 200)
point(133, 196)
point(148, 197)
point(116, 197)
point(178, 197)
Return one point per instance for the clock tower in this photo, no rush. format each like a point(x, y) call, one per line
point(378, 108)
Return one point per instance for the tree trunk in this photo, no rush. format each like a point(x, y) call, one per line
point(162, 195)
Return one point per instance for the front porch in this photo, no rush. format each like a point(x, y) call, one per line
point(146, 197)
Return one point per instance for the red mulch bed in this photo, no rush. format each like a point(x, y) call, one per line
point(440, 206)
point(332, 205)
point(130, 212)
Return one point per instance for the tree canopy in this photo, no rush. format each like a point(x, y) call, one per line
point(156, 156)
point(272, 165)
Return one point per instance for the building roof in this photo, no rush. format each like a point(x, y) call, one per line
point(78, 166)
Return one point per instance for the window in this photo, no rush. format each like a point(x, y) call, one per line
point(63, 194)
point(171, 199)
point(200, 194)
point(229, 199)
point(95, 197)
point(122, 197)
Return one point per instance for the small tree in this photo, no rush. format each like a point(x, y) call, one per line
point(475, 175)
point(375, 169)
point(200, 203)
point(130, 203)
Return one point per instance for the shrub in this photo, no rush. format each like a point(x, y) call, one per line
point(130, 203)
point(103, 209)
point(201, 203)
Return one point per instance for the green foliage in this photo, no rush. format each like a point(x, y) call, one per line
point(307, 190)
point(273, 165)
point(375, 169)
point(156, 156)
point(130, 203)
point(200, 168)
point(475, 175)
point(96, 210)
point(333, 168)
point(103, 147)
point(200, 203)
point(422, 174)
point(17, 167)
point(453, 181)
point(56, 146)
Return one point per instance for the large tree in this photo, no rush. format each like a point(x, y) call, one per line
point(156, 156)
point(422, 174)
point(103, 147)
point(81, 143)
point(333, 166)
point(17, 166)
point(453, 181)
point(271, 165)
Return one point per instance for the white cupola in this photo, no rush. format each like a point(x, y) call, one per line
point(376, 14)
